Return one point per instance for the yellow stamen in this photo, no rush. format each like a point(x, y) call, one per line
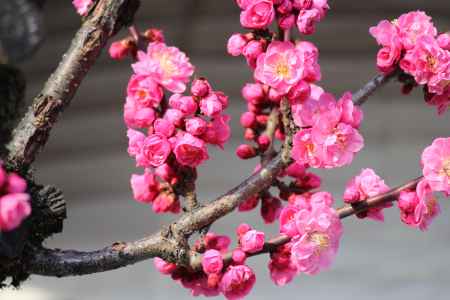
point(321, 240)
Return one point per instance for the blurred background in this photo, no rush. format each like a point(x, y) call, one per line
point(86, 157)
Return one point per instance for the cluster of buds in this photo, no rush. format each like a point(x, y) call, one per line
point(169, 138)
point(412, 44)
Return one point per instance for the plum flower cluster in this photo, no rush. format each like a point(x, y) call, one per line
point(418, 208)
point(315, 231)
point(234, 280)
point(259, 14)
point(82, 6)
point(14, 201)
point(169, 137)
point(412, 43)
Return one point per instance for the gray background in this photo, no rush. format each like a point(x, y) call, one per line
point(86, 157)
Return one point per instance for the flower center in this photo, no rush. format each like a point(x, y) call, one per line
point(321, 240)
point(282, 70)
point(446, 167)
point(431, 62)
point(167, 65)
point(431, 204)
point(142, 94)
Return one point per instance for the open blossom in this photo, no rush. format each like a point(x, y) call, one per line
point(436, 165)
point(189, 150)
point(350, 113)
point(237, 282)
point(319, 230)
point(152, 150)
point(144, 91)
point(82, 6)
point(306, 151)
point(281, 67)
point(412, 26)
point(145, 187)
point(167, 66)
point(258, 14)
point(425, 60)
point(385, 32)
point(367, 184)
point(418, 208)
point(14, 202)
point(252, 241)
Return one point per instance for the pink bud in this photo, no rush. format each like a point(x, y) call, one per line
point(211, 105)
point(14, 208)
point(154, 35)
point(274, 96)
point(245, 151)
point(253, 92)
point(262, 119)
point(145, 187)
point(200, 88)
point(285, 7)
point(212, 262)
point(270, 209)
point(249, 204)
point(242, 229)
point(164, 267)
point(16, 184)
point(239, 257)
point(299, 92)
point(236, 44)
point(252, 241)
point(248, 119)
point(302, 4)
point(185, 104)
point(444, 40)
point(263, 142)
point(165, 172)
point(196, 126)
point(222, 98)
point(164, 126)
point(307, 20)
point(119, 50)
point(287, 22)
point(249, 134)
point(213, 280)
point(174, 116)
point(252, 50)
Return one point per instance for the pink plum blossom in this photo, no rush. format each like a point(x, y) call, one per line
point(163, 126)
point(425, 60)
point(144, 91)
point(164, 267)
point(82, 6)
point(385, 32)
point(185, 104)
point(136, 116)
point(258, 14)
point(166, 202)
point(236, 44)
point(119, 50)
point(306, 151)
point(282, 269)
point(350, 113)
point(418, 211)
point(195, 126)
point(218, 131)
point(167, 66)
point(145, 187)
point(319, 232)
point(367, 184)
point(436, 165)
point(200, 88)
point(306, 21)
point(412, 26)
point(212, 262)
point(189, 150)
point(237, 282)
point(252, 241)
point(444, 40)
point(14, 208)
point(211, 105)
point(281, 67)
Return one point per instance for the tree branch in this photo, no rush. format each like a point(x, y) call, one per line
point(31, 134)
point(369, 88)
point(62, 263)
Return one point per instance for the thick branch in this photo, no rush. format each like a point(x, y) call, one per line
point(32, 133)
point(68, 263)
point(369, 88)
